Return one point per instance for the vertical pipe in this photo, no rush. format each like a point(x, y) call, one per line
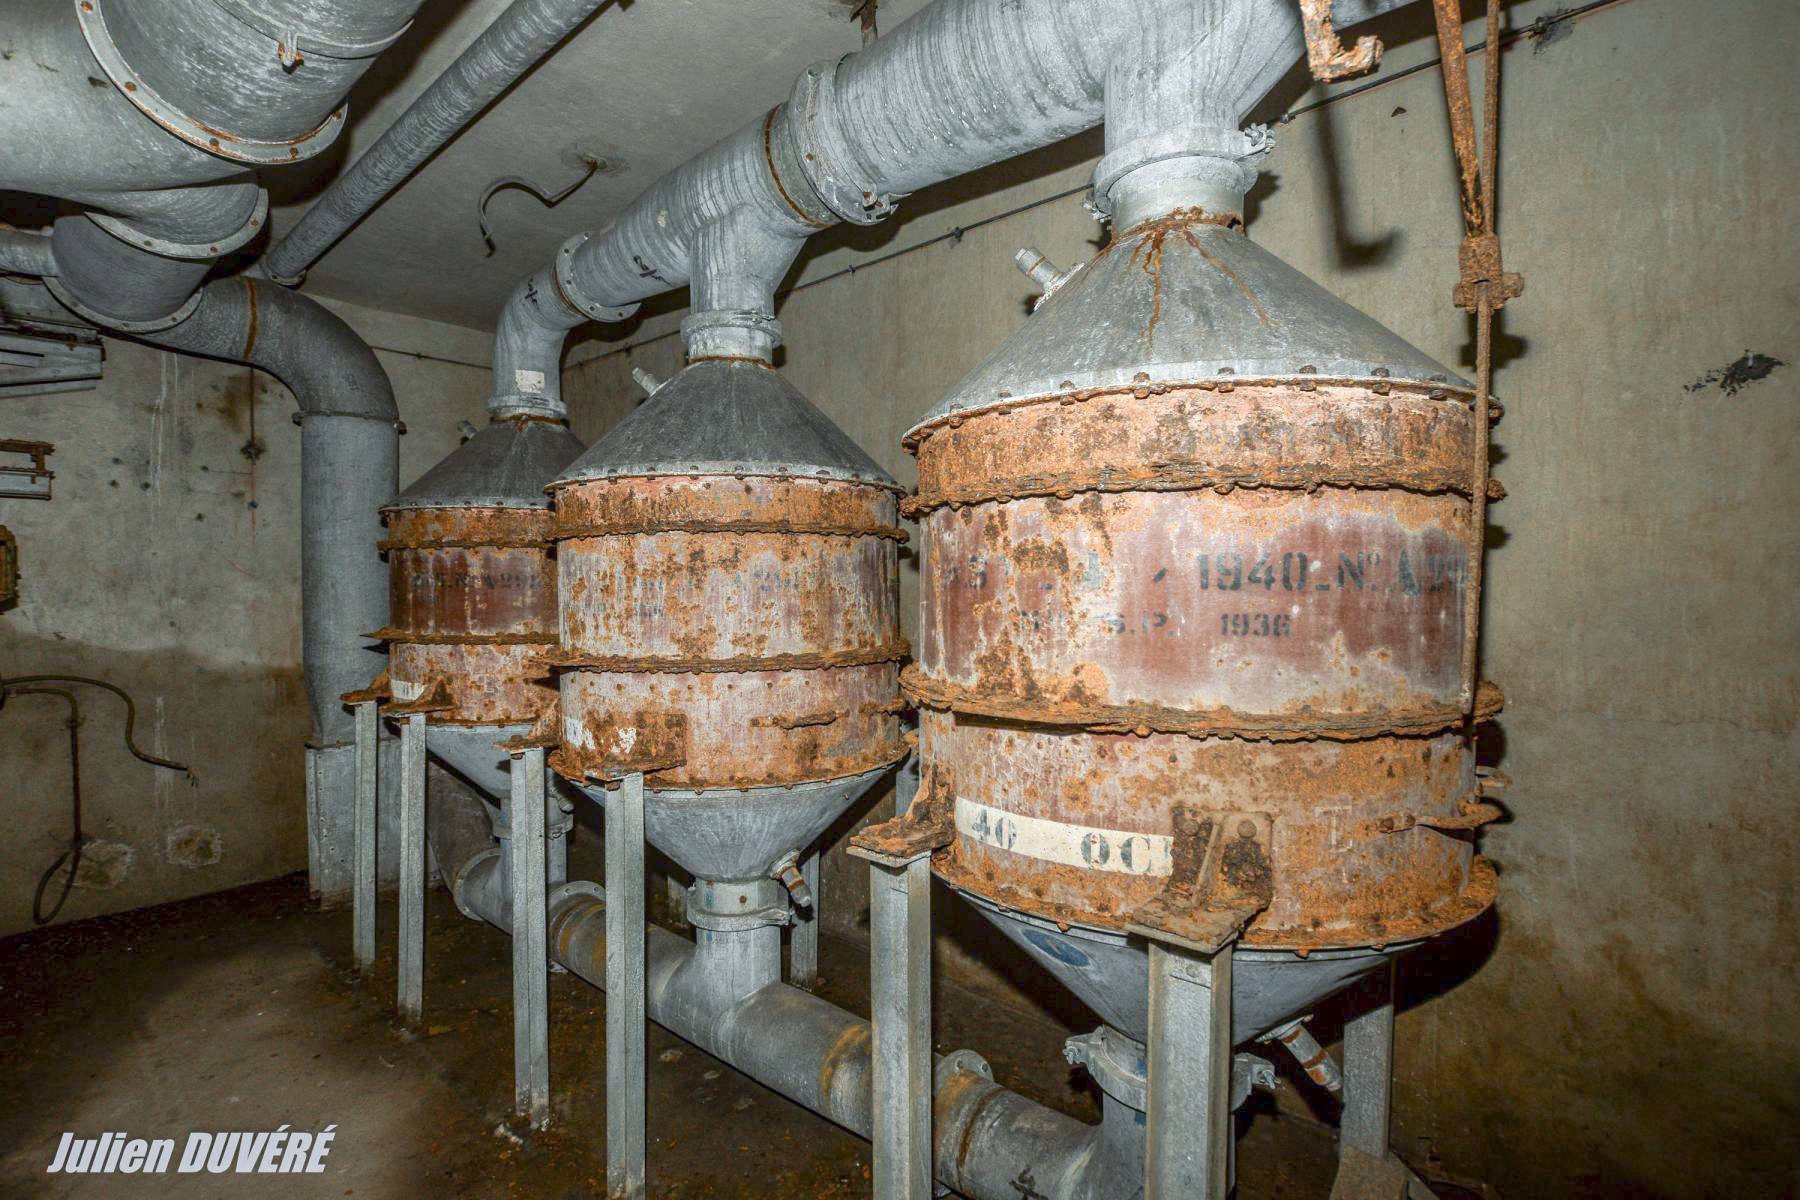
point(362, 898)
point(625, 990)
point(412, 867)
point(803, 943)
point(1188, 1138)
point(530, 974)
point(900, 1013)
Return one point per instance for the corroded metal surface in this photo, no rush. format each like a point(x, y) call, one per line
point(473, 599)
point(724, 631)
point(1341, 609)
point(1203, 596)
point(1076, 826)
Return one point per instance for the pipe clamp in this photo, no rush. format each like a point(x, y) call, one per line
point(842, 182)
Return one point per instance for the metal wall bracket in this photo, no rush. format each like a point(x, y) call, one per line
point(1220, 879)
point(1329, 59)
point(23, 473)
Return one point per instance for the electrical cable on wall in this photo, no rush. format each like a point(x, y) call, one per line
point(71, 857)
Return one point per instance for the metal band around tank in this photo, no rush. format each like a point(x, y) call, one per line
point(420, 638)
point(574, 660)
point(893, 533)
point(1144, 720)
point(1187, 477)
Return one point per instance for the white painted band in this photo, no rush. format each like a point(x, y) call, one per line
point(1081, 846)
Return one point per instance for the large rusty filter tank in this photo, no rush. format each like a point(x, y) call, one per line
point(473, 593)
point(729, 617)
point(1199, 539)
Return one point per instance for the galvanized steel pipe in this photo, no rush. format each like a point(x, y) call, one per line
point(986, 1138)
point(516, 41)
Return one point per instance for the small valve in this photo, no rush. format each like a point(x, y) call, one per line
point(1042, 272)
point(786, 872)
point(646, 380)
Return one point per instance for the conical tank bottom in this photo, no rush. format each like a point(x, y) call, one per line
point(1110, 973)
point(738, 833)
point(470, 751)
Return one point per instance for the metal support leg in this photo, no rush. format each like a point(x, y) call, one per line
point(1189, 1132)
point(1367, 1169)
point(530, 967)
point(364, 864)
point(803, 942)
point(900, 1013)
point(412, 867)
point(625, 918)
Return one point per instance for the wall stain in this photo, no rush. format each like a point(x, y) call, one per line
point(1735, 375)
point(193, 846)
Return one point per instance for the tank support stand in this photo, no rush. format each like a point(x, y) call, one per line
point(530, 966)
point(1188, 1138)
point(1367, 1168)
point(625, 917)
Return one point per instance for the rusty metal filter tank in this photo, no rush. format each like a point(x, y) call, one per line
point(474, 591)
point(1201, 535)
point(729, 616)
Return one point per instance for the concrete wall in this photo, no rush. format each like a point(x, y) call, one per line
point(168, 562)
point(1623, 1026)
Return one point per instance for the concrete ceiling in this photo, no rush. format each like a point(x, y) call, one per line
point(643, 86)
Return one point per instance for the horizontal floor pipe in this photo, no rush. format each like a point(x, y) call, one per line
point(989, 1142)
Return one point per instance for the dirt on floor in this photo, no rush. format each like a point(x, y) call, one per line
point(240, 1012)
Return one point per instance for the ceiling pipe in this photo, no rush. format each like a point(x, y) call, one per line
point(960, 86)
point(506, 51)
point(152, 113)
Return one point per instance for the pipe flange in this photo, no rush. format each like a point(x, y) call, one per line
point(847, 187)
point(1235, 156)
point(955, 1062)
point(291, 47)
point(196, 251)
point(176, 120)
point(94, 316)
point(571, 889)
point(570, 290)
point(459, 876)
point(1116, 1063)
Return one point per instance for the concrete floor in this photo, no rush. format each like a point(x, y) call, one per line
point(239, 1011)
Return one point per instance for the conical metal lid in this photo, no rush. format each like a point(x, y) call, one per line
point(727, 417)
point(1182, 302)
point(505, 465)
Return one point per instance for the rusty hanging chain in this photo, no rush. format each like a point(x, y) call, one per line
point(1482, 279)
point(1483, 286)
